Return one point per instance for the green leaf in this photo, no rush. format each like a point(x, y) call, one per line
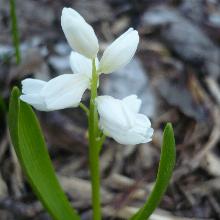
point(167, 163)
point(15, 33)
point(32, 153)
point(13, 117)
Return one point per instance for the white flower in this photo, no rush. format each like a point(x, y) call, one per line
point(120, 52)
point(30, 90)
point(82, 38)
point(79, 34)
point(81, 64)
point(120, 120)
point(61, 92)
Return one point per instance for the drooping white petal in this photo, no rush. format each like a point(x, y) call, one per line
point(111, 109)
point(132, 102)
point(123, 136)
point(79, 34)
point(32, 86)
point(130, 138)
point(60, 92)
point(65, 91)
point(31, 89)
point(36, 100)
point(81, 64)
point(120, 120)
point(142, 120)
point(120, 52)
point(143, 127)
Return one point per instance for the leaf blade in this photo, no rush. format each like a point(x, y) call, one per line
point(33, 155)
point(166, 165)
point(14, 106)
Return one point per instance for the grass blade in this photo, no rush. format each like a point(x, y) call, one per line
point(167, 163)
point(15, 33)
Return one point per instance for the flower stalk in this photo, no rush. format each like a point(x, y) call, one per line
point(84, 108)
point(93, 147)
point(119, 119)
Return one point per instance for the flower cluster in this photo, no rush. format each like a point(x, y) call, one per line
point(119, 119)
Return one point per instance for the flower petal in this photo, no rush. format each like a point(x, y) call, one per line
point(65, 91)
point(79, 34)
point(133, 103)
point(35, 100)
point(120, 52)
point(120, 120)
point(82, 65)
point(130, 138)
point(73, 13)
point(111, 109)
point(32, 86)
point(122, 136)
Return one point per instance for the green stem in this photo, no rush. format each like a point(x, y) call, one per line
point(100, 141)
point(93, 147)
point(84, 108)
point(15, 34)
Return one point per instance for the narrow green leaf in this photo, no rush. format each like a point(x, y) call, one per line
point(15, 33)
point(32, 153)
point(13, 117)
point(167, 163)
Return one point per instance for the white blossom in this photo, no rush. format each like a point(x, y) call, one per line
point(81, 64)
point(61, 92)
point(31, 93)
point(82, 39)
point(79, 34)
point(120, 52)
point(120, 120)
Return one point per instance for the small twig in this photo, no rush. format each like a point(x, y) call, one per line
point(198, 158)
point(214, 88)
point(213, 139)
point(214, 204)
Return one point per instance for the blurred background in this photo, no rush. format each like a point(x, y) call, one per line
point(176, 73)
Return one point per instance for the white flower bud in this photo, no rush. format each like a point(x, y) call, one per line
point(120, 120)
point(79, 34)
point(120, 52)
